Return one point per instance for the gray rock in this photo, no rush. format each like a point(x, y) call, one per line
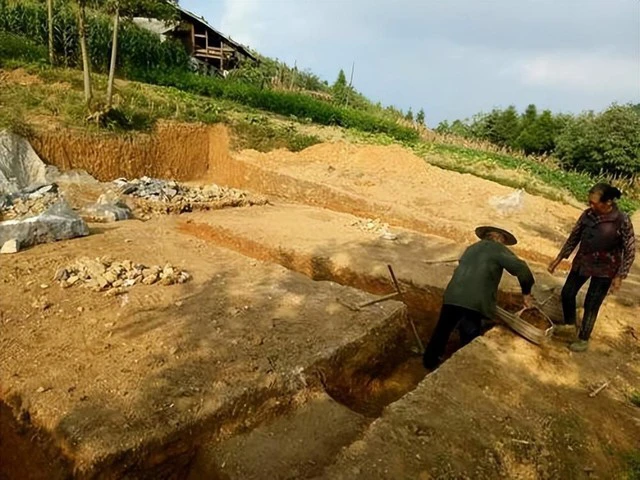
point(59, 222)
point(20, 166)
point(77, 177)
point(10, 246)
point(107, 209)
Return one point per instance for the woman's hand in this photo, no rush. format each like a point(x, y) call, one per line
point(615, 285)
point(553, 265)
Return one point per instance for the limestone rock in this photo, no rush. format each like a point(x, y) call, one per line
point(20, 166)
point(58, 222)
point(10, 246)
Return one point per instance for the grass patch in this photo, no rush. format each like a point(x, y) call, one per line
point(634, 398)
point(633, 466)
point(256, 132)
point(291, 104)
point(58, 96)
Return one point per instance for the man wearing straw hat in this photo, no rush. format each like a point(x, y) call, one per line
point(472, 292)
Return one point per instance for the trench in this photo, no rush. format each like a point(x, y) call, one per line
point(351, 388)
point(356, 385)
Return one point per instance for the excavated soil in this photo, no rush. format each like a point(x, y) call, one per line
point(391, 183)
point(535, 318)
point(173, 151)
point(251, 370)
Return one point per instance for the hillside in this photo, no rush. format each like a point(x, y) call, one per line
point(234, 278)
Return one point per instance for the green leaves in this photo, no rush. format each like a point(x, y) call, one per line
point(607, 143)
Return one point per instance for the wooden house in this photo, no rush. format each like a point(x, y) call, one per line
point(208, 47)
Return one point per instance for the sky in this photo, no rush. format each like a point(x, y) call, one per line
point(454, 58)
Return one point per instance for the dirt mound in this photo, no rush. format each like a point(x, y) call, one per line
point(405, 190)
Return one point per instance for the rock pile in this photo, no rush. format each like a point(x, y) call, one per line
point(376, 227)
point(108, 208)
point(165, 196)
point(58, 222)
point(28, 203)
point(107, 275)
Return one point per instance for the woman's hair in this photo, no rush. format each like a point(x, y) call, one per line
point(606, 191)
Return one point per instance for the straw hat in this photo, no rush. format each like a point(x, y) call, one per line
point(482, 233)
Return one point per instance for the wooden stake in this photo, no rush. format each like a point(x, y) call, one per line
point(598, 390)
point(413, 326)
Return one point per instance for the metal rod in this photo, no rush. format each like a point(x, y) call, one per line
point(413, 326)
point(378, 300)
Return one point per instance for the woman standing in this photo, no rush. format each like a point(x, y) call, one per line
point(606, 253)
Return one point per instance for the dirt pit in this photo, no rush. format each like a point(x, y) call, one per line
point(137, 383)
point(263, 366)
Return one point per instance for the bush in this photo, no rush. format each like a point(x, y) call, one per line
point(608, 143)
point(283, 103)
point(14, 47)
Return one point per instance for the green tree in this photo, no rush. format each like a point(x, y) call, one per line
point(505, 127)
point(340, 88)
point(420, 118)
point(409, 115)
point(529, 116)
point(50, 30)
point(539, 137)
point(443, 127)
point(86, 63)
point(605, 143)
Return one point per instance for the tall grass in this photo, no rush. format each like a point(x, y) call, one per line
point(138, 48)
point(290, 104)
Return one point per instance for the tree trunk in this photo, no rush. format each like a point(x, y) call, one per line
point(50, 23)
point(86, 64)
point(114, 56)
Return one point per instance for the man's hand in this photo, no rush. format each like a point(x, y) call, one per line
point(528, 301)
point(553, 265)
point(615, 285)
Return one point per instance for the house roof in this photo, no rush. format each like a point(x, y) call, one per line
point(241, 48)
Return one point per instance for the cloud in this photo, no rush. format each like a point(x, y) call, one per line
point(589, 72)
point(241, 20)
point(452, 57)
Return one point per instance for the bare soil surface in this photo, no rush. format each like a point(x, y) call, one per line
point(119, 381)
point(404, 190)
point(296, 445)
point(263, 365)
point(518, 411)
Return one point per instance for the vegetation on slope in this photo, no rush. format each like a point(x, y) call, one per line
point(595, 143)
